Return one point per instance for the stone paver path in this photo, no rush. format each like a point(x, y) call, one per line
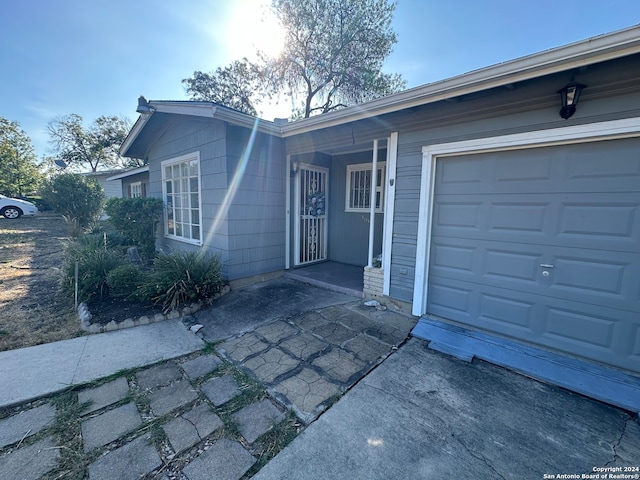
point(309, 359)
point(207, 412)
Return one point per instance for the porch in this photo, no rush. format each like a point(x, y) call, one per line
point(336, 276)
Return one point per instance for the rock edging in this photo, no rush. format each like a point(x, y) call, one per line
point(84, 315)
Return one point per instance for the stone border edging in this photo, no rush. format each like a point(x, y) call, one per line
point(85, 316)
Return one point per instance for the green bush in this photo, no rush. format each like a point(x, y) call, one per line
point(80, 199)
point(180, 278)
point(123, 281)
point(95, 262)
point(137, 218)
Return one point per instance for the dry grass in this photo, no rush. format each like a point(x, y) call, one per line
point(31, 309)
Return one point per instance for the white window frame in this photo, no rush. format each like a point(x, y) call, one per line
point(136, 189)
point(380, 180)
point(190, 157)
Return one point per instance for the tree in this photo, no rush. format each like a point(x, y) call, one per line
point(95, 146)
point(80, 199)
point(236, 86)
point(19, 173)
point(334, 51)
point(332, 58)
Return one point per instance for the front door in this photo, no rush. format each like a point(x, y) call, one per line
point(311, 215)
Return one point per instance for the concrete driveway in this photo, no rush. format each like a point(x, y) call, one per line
point(424, 415)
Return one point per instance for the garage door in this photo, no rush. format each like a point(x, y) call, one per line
point(542, 245)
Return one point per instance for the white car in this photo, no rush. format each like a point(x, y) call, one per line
point(15, 208)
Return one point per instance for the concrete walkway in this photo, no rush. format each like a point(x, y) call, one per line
point(425, 415)
point(395, 408)
point(33, 372)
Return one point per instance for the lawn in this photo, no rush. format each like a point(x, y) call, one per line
point(32, 310)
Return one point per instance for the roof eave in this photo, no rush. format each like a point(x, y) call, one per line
point(593, 50)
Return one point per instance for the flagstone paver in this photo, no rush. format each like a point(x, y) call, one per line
point(228, 459)
point(25, 424)
point(200, 366)
point(334, 333)
point(304, 345)
point(307, 390)
point(158, 375)
point(132, 460)
point(276, 331)
point(257, 418)
point(104, 395)
point(30, 462)
point(191, 427)
point(339, 364)
point(220, 389)
point(239, 349)
point(109, 426)
point(310, 320)
point(169, 398)
point(366, 348)
point(269, 365)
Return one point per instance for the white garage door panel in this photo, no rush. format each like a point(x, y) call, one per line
point(542, 245)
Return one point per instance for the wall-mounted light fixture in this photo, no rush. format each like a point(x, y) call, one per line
point(143, 106)
point(294, 168)
point(569, 95)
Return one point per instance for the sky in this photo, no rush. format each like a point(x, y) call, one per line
point(96, 57)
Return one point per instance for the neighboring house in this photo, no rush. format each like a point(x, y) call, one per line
point(133, 182)
point(111, 189)
point(491, 211)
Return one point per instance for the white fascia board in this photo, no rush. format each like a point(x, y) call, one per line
point(594, 50)
point(129, 173)
point(133, 134)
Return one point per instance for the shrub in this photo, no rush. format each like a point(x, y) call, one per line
point(180, 278)
point(80, 199)
point(95, 262)
point(123, 281)
point(137, 218)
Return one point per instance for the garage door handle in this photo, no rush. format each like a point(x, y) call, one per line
point(546, 265)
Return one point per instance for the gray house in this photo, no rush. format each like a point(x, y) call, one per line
point(132, 182)
point(500, 219)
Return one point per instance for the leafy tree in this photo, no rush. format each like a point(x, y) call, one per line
point(334, 51)
point(19, 173)
point(80, 199)
point(236, 86)
point(95, 146)
point(332, 58)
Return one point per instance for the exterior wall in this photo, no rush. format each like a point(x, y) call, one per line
point(349, 231)
point(446, 123)
point(140, 177)
point(256, 174)
point(207, 137)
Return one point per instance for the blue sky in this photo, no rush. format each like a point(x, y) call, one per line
point(95, 57)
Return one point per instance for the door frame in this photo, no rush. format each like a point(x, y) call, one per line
point(432, 154)
point(297, 213)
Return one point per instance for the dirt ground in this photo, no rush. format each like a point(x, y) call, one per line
point(32, 311)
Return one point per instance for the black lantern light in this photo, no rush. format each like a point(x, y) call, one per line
point(569, 95)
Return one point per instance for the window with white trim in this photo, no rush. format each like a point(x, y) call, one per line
point(358, 197)
point(181, 192)
point(136, 190)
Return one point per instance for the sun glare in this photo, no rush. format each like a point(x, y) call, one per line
point(254, 27)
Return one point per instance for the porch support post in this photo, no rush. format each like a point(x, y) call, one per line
point(372, 201)
point(287, 206)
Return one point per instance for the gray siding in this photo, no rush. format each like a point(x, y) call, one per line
point(243, 211)
point(256, 218)
point(349, 231)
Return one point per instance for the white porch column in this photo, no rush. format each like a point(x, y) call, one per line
point(372, 202)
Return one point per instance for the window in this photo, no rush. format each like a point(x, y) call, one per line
point(136, 190)
point(359, 187)
point(181, 191)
